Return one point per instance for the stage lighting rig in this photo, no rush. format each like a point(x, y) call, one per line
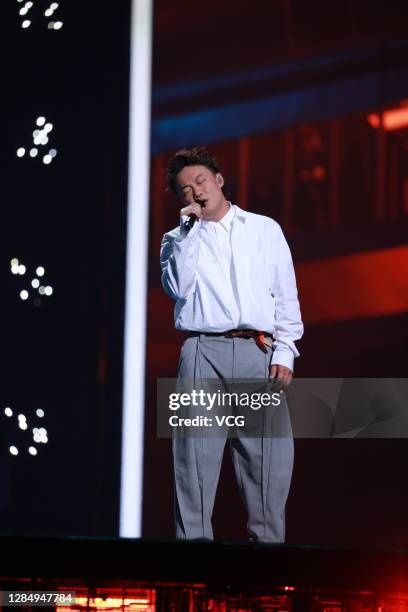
point(23, 11)
point(41, 136)
point(32, 436)
point(41, 290)
point(26, 11)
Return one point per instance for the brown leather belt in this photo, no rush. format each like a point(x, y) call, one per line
point(262, 339)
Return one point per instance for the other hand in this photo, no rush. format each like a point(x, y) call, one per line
point(281, 376)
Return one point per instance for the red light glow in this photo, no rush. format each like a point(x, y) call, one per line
point(395, 119)
point(361, 285)
point(145, 604)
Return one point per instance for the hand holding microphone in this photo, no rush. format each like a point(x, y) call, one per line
point(194, 211)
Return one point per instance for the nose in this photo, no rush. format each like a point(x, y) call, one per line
point(197, 192)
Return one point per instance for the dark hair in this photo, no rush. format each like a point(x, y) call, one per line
point(198, 156)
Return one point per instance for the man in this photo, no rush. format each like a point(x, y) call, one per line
point(231, 274)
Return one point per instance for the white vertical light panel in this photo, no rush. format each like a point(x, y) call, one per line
point(136, 270)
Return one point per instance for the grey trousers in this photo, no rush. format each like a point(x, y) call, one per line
point(263, 466)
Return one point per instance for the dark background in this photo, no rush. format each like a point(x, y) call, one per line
point(64, 355)
point(280, 92)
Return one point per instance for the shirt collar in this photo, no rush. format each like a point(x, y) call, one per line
point(240, 213)
point(226, 221)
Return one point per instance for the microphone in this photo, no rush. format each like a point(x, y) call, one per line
point(188, 224)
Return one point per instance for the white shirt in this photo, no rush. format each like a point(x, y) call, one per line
point(216, 252)
point(234, 273)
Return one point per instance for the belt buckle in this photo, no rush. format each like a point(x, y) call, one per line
point(229, 333)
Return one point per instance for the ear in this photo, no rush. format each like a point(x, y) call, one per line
point(220, 179)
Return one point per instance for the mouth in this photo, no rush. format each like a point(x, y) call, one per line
point(202, 203)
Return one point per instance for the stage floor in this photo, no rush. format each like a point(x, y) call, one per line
point(99, 562)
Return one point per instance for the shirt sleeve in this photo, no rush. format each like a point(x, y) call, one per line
point(288, 321)
point(178, 261)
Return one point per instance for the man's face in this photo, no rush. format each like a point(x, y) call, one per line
point(198, 183)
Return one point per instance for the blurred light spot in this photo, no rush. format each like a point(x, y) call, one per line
point(32, 450)
point(13, 450)
point(36, 133)
point(21, 152)
point(8, 412)
point(37, 140)
point(48, 290)
point(391, 119)
point(40, 435)
point(54, 6)
point(44, 140)
point(24, 10)
point(319, 173)
point(40, 121)
point(48, 127)
point(14, 269)
point(24, 294)
point(47, 159)
point(39, 412)
point(23, 425)
point(26, 23)
point(374, 120)
point(58, 25)
point(21, 269)
point(41, 290)
point(35, 283)
point(22, 417)
point(48, 12)
point(33, 152)
point(40, 271)
point(28, 5)
point(14, 261)
point(51, 25)
point(52, 152)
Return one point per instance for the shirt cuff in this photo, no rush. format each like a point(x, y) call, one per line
point(282, 357)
